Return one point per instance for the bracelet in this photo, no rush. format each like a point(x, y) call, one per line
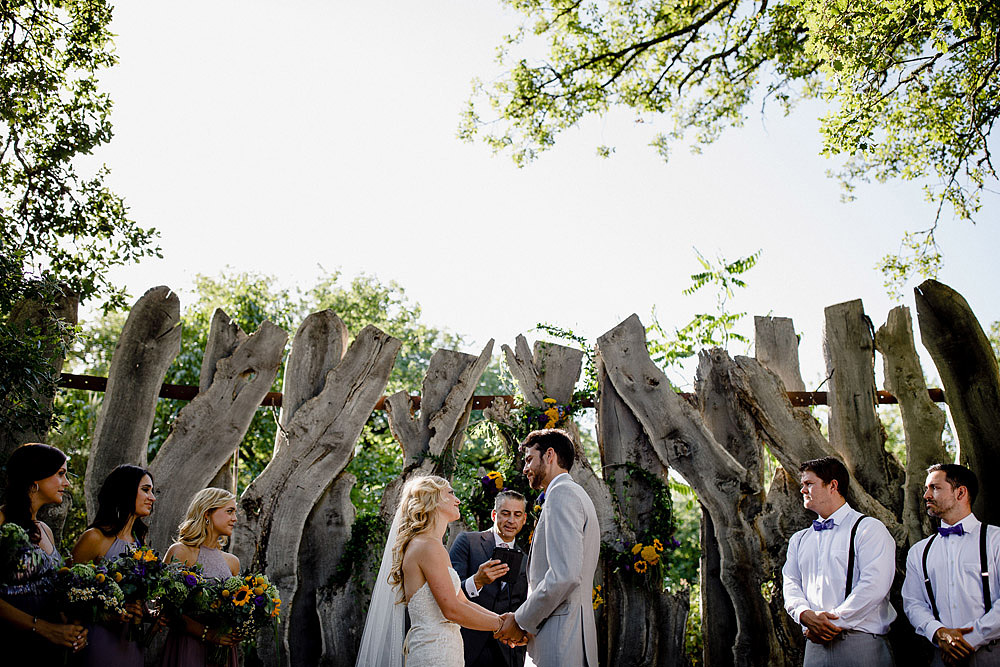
point(500, 626)
point(34, 622)
point(204, 632)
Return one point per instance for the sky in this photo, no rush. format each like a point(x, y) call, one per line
point(296, 137)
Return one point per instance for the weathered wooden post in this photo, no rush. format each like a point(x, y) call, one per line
point(971, 379)
point(210, 427)
point(317, 442)
point(149, 342)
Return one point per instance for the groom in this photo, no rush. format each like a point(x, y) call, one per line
point(557, 619)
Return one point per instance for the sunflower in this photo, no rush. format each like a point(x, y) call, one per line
point(657, 545)
point(637, 548)
point(649, 555)
point(242, 596)
point(641, 566)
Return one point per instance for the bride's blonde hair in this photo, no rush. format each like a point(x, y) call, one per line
point(421, 497)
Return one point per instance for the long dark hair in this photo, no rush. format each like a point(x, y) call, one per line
point(116, 501)
point(26, 465)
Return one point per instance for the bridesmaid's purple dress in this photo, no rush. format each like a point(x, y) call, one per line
point(30, 589)
point(110, 646)
point(183, 649)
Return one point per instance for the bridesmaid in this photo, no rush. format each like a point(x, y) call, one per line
point(125, 499)
point(208, 525)
point(36, 476)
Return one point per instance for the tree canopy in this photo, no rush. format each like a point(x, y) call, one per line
point(911, 86)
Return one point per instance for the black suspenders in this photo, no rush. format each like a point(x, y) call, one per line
point(850, 559)
point(984, 572)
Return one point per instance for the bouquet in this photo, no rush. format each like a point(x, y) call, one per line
point(18, 557)
point(86, 593)
point(241, 605)
point(140, 574)
point(180, 589)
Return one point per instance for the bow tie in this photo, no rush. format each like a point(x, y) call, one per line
point(954, 530)
point(823, 525)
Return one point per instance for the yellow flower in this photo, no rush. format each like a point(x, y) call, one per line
point(537, 509)
point(100, 578)
point(550, 401)
point(118, 576)
point(225, 593)
point(637, 548)
point(150, 556)
point(649, 555)
point(242, 596)
point(656, 543)
point(64, 569)
point(258, 590)
point(640, 566)
point(277, 608)
point(136, 555)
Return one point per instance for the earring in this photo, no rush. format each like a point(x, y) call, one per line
point(206, 521)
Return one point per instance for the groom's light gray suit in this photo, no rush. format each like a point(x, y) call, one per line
point(559, 611)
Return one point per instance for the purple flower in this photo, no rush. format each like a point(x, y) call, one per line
point(190, 580)
point(259, 600)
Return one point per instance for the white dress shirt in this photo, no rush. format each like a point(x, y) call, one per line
point(470, 583)
point(815, 573)
point(953, 568)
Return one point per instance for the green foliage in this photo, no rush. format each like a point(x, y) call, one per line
point(53, 220)
point(704, 329)
point(911, 86)
point(28, 378)
point(994, 335)
point(367, 529)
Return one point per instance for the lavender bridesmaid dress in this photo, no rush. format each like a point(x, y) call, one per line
point(183, 649)
point(110, 645)
point(30, 589)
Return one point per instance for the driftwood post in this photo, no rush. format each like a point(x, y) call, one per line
point(641, 624)
point(210, 427)
point(318, 442)
point(968, 369)
point(149, 341)
point(429, 441)
point(923, 421)
point(855, 430)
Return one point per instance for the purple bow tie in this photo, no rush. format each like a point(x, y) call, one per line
point(823, 525)
point(954, 530)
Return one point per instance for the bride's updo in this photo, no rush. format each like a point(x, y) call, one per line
point(417, 504)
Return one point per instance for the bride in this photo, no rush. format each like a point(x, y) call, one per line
point(416, 566)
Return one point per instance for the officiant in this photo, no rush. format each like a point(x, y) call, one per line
point(489, 582)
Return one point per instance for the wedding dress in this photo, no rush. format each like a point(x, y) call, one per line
point(433, 640)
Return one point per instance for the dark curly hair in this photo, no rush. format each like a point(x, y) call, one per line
point(26, 465)
point(116, 502)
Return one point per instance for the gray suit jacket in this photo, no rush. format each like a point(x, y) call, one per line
point(559, 611)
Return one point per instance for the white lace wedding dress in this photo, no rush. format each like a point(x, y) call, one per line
point(433, 640)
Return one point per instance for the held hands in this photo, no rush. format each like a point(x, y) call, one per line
point(489, 572)
point(510, 633)
point(954, 648)
point(819, 627)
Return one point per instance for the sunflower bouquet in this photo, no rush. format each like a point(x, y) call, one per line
point(140, 574)
point(87, 593)
point(242, 605)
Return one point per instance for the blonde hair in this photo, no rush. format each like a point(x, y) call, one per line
point(421, 497)
point(193, 530)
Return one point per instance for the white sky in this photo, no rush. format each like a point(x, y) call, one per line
point(281, 137)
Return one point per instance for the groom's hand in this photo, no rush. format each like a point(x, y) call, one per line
point(510, 633)
point(489, 572)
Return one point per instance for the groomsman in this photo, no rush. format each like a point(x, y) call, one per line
point(470, 556)
point(838, 573)
point(951, 590)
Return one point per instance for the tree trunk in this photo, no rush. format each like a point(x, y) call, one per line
point(318, 444)
point(149, 342)
point(968, 369)
point(855, 430)
point(211, 426)
point(923, 421)
point(777, 348)
point(680, 438)
point(42, 316)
